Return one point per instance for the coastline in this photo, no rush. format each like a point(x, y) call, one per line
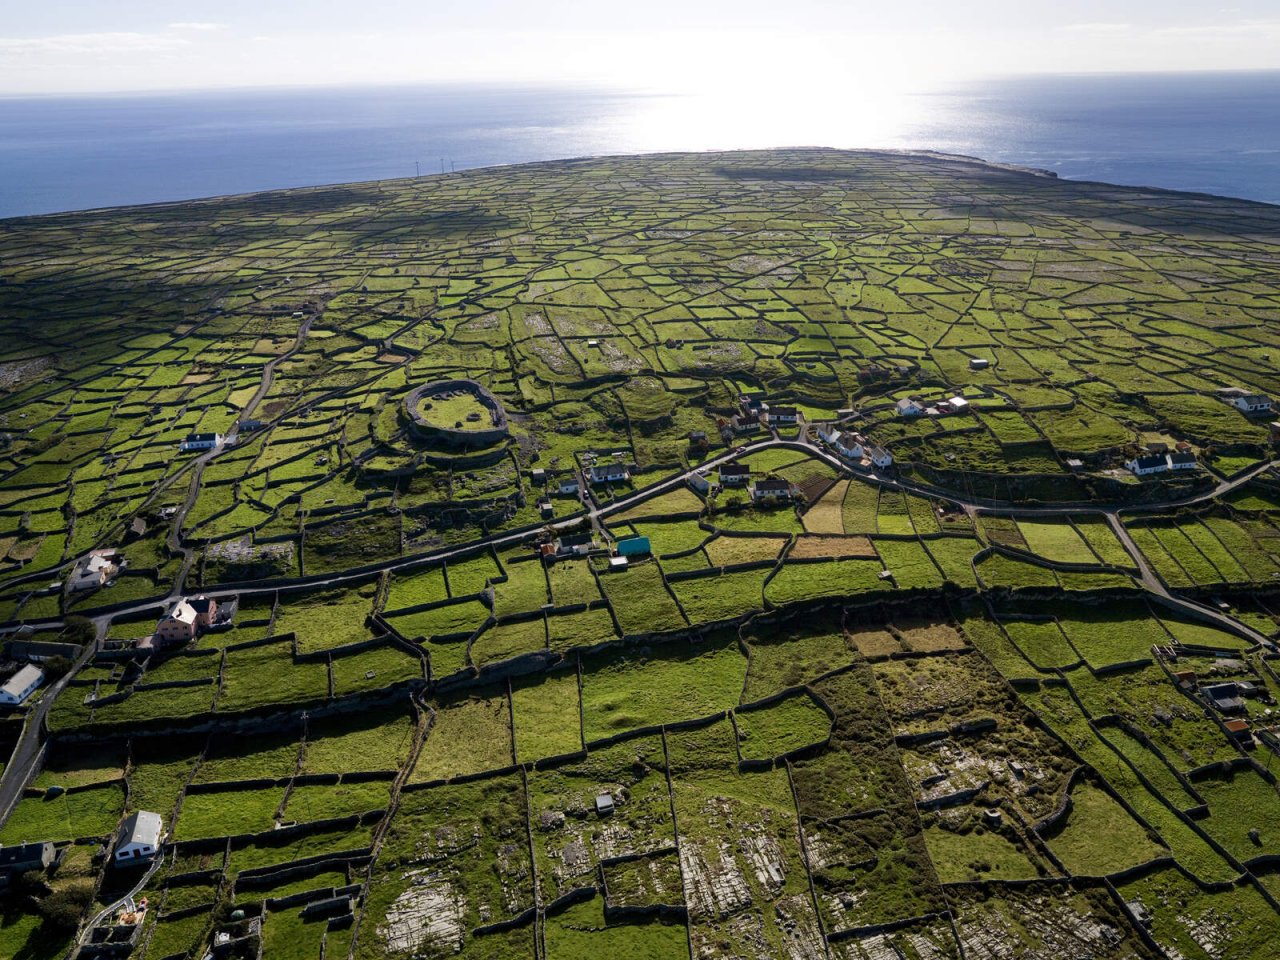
point(1037, 173)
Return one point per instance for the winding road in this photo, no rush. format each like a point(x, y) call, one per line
point(17, 772)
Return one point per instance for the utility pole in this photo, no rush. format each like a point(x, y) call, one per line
point(417, 169)
point(442, 164)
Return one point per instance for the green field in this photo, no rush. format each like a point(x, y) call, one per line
point(926, 709)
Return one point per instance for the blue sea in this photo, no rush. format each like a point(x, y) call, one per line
point(1209, 132)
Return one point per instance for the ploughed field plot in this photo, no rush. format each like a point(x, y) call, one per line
point(830, 706)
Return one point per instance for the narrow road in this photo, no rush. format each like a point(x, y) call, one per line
point(1153, 584)
point(103, 914)
point(175, 543)
point(17, 772)
point(22, 762)
point(595, 513)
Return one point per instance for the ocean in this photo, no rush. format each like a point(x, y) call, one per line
point(1209, 132)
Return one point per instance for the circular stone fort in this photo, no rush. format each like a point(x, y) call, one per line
point(455, 414)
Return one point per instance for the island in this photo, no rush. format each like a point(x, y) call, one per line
point(772, 554)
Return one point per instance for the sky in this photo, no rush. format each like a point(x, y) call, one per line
point(725, 46)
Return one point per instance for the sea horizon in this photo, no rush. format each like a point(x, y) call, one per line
point(1215, 133)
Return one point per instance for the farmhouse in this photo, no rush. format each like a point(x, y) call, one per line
point(908, 408)
point(745, 422)
point(1183, 460)
point(139, 837)
point(784, 415)
point(25, 857)
point(184, 620)
point(94, 571)
point(250, 426)
point(608, 473)
point(877, 455)
point(699, 482)
point(574, 544)
point(771, 490)
point(200, 441)
point(1146, 465)
point(957, 405)
point(1224, 697)
point(844, 444)
point(21, 685)
point(1251, 403)
point(568, 485)
point(734, 474)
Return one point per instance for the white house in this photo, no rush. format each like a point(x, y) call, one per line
point(845, 444)
point(908, 408)
point(771, 490)
point(734, 474)
point(1183, 460)
point(92, 572)
point(877, 455)
point(21, 685)
point(568, 485)
point(1251, 403)
point(200, 441)
point(979, 363)
point(1149, 464)
point(784, 415)
point(608, 473)
point(699, 483)
point(958, 405)
point(139, 837)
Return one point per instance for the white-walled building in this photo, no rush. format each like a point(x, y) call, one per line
point(21, 685)
point(92, 572)
point(1251, 403)
point(1147, 465)
point(139, 837)
point(200, 441)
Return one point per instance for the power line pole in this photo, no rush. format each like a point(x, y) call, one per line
point(417, 169)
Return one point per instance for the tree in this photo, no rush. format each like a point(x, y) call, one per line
point(81, 630)
point(63, 908)
point(57, 666)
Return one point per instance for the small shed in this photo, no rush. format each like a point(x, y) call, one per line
point(634, 547)
point(604, 804)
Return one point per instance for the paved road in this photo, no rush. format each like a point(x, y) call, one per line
point(11, 782)
point(30, 743)
point(595, 512)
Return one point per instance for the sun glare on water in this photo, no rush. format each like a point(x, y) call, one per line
point(792, 99)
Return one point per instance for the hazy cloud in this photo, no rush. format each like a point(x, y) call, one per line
point(1097, 29)
point(197, 25)
point(89, 44)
